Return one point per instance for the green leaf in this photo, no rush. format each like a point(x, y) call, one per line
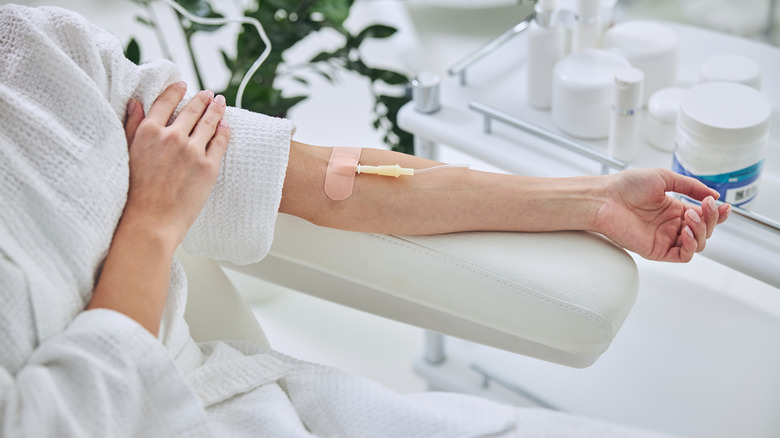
point(144, 21)
point(133, 51)
point(374, 31)
point(229, 62)
point(300, 80)
point(387, 76)
point(325, 56)
point(335, 12)
point(327, 75)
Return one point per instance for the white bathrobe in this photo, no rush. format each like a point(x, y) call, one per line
point(66, 372)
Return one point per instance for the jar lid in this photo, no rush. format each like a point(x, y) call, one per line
point(725, 112)
point(731, 67)
point(665, 103)
point(640, 38)
point(589, 74)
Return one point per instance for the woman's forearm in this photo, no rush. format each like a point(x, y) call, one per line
point(437, 202)
point(135, 276)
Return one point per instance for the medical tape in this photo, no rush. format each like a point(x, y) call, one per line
point(340, 176)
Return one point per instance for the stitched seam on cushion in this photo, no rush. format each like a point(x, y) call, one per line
point(498, 279)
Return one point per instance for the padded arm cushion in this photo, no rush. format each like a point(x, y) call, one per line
point(560, 296)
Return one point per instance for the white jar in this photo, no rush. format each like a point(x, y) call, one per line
point(730, 67)
point(722, 135)
point(583, 88)
point(661, 123)
point(649, 46)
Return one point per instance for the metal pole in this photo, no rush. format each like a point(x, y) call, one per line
point(434, 348)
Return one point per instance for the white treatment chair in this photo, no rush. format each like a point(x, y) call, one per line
point(560, 297)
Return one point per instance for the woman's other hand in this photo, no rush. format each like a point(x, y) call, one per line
point(173, 167)
point(640, 216)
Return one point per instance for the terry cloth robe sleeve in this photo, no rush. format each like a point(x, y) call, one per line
point(237, 222)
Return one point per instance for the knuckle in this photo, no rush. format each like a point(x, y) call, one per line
point(188, 109)
point(174, 137)
point(205, 166)
point(149, 127)
point(169, 98)
point(208, 122)
point(203, 98)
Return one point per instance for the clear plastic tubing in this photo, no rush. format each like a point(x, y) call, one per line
point(442, 167)
point(722, 136)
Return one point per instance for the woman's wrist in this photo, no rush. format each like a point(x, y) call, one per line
point(149, 233)
point(562, 203)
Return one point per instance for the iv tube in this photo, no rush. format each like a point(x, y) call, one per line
point(443, 166)
point(220, 21)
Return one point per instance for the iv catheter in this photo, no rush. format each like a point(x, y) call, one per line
point(344, 165)
point(396, 170)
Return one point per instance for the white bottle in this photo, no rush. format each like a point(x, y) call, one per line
point(587, 25)
point(626, 110)
point(546, 45)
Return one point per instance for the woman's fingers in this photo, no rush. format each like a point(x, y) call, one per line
point(695, 222)
point(163, 107)
point(208, 123)
point(689, 245)
point(687, 186)
point(218, 144)
point(710, 214)
point(135, 114)
point(199, 121)
point(192, 112)
point(723, 212)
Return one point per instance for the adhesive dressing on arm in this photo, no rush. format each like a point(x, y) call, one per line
point(344, 165)
point(340, 176)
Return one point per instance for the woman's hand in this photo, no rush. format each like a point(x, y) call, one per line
point(641, 217)
point(173, 167)
point(172, 171)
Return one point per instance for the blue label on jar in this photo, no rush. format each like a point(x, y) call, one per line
point(737, 188)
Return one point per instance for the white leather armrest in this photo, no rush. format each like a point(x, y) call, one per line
point(559, 296)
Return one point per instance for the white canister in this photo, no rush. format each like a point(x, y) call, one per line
point(583, 87)
point(649, 46)
point(661, 121)
point(722, 135)
point(731, 67)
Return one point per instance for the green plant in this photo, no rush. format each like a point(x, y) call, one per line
point(287, 22)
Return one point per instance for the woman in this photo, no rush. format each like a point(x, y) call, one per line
point(94, 342)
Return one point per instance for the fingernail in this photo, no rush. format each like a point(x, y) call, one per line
point(694, 216)
point(182, 84)
point(711, 204)
point(208, 93)
point(220, 99)
point(688, 231)
point(130, 106)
